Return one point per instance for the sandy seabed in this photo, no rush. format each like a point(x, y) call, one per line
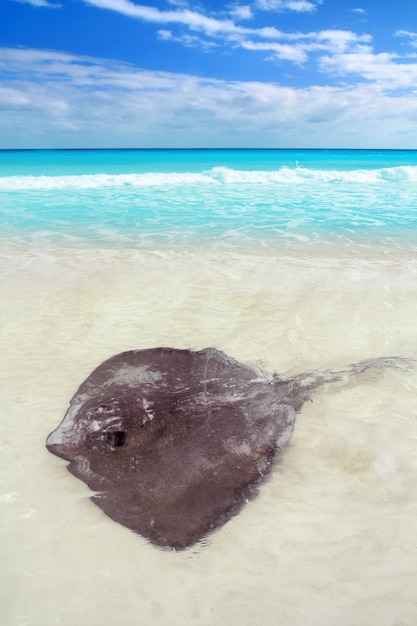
point(332, 536)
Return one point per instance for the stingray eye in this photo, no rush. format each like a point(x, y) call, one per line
point(116, 438)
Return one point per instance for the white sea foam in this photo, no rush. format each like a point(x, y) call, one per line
point(94, 181)
point(215, 175)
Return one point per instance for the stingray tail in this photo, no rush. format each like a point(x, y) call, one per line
point(312, 380)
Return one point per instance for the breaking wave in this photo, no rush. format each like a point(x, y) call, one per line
point(215, 176)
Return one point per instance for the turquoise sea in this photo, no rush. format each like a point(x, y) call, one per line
point(229, 198)
point(289, 260)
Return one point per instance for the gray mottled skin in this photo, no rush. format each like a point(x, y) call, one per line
point(173, 442)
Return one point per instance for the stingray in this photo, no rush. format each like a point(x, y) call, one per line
point(174, 442)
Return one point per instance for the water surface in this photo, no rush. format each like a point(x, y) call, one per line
point(288, 260)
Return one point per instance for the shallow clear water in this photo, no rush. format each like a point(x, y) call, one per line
point(289, 260)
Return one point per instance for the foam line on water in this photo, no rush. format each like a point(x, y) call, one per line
point(215, 175)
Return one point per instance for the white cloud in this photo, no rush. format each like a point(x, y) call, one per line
point(334, 42)
point(241, 12)
point(381, 69)
point(410, 35)
point(299, 6)
point(40, 3)
point(190, 41)
point(192, 19)
point(294, 47)
point(196, 20)
point(341, 40)
point(56, 99)
point(282, 51)
point(211, 26)
point(360, 11)
point(178, 3)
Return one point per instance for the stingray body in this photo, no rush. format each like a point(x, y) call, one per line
point(173, 442)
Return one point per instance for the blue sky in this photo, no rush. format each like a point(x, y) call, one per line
point(179, 73)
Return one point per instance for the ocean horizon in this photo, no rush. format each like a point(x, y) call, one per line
point(289, 260)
